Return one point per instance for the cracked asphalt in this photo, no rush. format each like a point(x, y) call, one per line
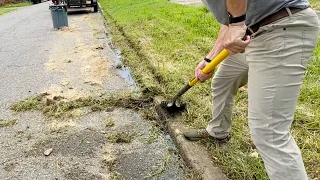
point(73, 62)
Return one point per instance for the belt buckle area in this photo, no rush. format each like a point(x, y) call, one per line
point(270, 19)
point(282, 13)
point(252, 30)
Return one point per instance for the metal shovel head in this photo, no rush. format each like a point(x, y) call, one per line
point(168, 109)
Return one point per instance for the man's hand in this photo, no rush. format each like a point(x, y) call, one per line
point(198, 72)
point(233, 40)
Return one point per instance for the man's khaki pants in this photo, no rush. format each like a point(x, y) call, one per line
point(273, 66)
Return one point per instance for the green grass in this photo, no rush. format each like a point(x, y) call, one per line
point(7, 123)
point(315, 4)
point(121, 137)
point(11, 7)
point(163, 42)
point(6, 10)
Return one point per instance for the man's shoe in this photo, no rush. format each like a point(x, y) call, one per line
point(198, 134)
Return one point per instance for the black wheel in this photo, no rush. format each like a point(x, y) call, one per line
point(95, 8)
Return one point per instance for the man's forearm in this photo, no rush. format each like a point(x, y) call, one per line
point(214, 51)
point(222, 32)
point(236, 7)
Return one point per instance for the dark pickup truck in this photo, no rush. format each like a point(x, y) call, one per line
point(78, 3)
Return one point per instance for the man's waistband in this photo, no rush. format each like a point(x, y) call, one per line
point(285, 12)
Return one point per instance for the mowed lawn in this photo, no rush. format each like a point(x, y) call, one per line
point(162, 43)
point(11, 7)
point(315, 4)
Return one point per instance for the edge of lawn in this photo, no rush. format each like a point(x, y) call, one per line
point(147, 59)
point(13, 7)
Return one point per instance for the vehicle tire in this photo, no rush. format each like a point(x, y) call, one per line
point(95, 8)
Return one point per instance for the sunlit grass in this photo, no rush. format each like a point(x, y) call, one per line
point(11, 7)
point(315, 4)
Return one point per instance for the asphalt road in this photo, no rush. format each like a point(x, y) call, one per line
point(73, 62)
point(26, 37)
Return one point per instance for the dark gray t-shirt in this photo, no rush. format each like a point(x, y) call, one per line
point(256, 11)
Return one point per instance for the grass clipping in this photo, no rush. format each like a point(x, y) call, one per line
point(120, 137)
point(7, 123)
point(59, 107)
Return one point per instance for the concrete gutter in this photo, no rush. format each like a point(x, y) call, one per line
point(194, 154)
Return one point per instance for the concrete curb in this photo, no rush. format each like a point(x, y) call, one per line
point(195, 155)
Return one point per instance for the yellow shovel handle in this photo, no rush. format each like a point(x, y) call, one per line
point(219, 58)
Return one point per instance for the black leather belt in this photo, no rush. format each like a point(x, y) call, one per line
point(272, 18)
